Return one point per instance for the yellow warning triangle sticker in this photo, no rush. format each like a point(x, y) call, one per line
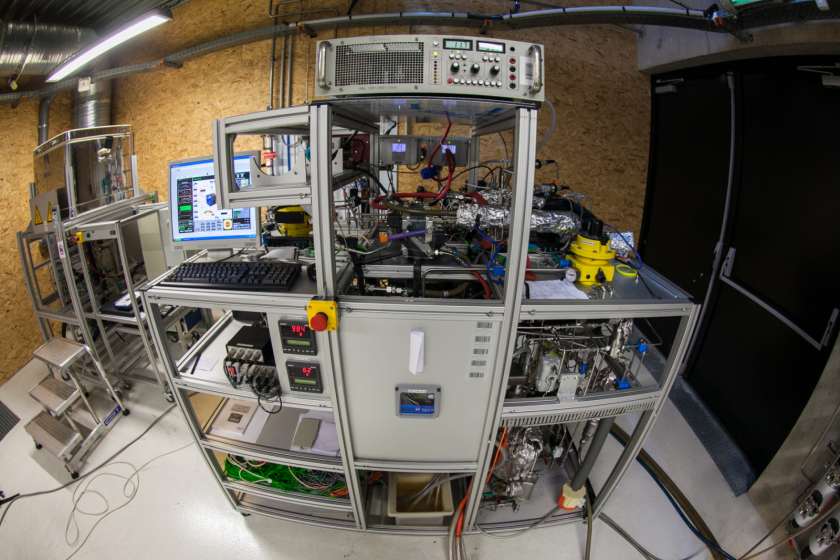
point(38, 220)
point(49, 212)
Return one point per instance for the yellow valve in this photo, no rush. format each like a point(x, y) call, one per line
point(590, 256)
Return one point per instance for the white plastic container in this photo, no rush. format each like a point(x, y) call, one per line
point(397, 481)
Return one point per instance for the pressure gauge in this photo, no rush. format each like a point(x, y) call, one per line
point(571, 274)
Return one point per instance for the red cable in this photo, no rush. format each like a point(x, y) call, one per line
point(450, 160)
point(483, 283)
point(442, 140)
point(476, 197)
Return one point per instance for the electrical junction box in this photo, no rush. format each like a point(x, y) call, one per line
point(458, 147)
point(399, 150)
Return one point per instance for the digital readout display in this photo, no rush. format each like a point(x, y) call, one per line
point(293, 342)
point(484, 46)
point(305, 381)
point(398, 148)
point(295, 331)
point(414, 403)
point(447, 148)
point(458, 44)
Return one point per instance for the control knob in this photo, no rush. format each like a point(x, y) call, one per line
point(475, 68)
point(455, 67)
point(495, 70)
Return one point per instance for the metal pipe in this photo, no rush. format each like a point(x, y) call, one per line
point(588, 462)
point(280, 81)
point(289, 73)
point(44, 118)
point(271, 59)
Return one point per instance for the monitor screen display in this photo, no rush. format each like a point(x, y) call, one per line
point(447, 148)
point(398, 148)
point(195, 215)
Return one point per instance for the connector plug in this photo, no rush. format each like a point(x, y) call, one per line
point(428, 172)
point(569, 499)
point(498, 271)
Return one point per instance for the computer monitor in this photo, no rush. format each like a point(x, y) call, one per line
point(196, 221)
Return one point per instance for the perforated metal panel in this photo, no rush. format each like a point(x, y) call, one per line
point(547, 419)
point(379, 63)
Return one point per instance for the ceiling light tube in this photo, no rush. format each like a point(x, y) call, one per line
point(103, 44)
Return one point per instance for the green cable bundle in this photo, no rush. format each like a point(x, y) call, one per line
point(285, 478)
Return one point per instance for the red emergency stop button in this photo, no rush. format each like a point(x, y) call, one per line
point(319, 322)
point(449, 80)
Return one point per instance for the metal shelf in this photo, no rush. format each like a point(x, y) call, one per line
point(307, 500)
point(272, 507)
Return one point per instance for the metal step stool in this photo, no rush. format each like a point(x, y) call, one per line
point(70, 441)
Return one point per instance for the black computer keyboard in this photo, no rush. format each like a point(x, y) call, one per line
point(263, 276)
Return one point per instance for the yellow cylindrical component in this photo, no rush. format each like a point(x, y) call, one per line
point(299, 223)
point(590, 256)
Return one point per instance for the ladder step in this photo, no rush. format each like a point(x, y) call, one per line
point(57, 438)
point(55, 395)
point(59, 352)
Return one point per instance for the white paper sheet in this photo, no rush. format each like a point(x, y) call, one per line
point(206, 363)
point(416, 361)
point(554, 289)
point(283, 254)
point(326, 442)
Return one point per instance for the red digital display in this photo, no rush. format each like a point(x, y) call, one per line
point(306, 370)
point(296, 331)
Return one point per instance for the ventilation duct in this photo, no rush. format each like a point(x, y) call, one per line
point(33, 49)
point(93, 107)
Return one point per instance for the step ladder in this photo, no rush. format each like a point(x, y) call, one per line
point(54, 428)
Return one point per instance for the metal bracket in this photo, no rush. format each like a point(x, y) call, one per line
point(169, 64)
point(727, 264)
point(486, 26)
point(306, 30)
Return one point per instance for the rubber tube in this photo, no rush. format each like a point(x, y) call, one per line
point(477, 197)
point(588, 462)
point(548, 134)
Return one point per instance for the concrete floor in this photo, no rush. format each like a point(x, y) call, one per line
point(179, 512)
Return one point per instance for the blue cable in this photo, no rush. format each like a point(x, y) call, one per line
point(629, 245)
point(675, 504)
point(492, 259)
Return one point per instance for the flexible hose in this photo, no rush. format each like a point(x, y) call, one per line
point(375, 202)
point(442, 140)
point(672, 488)
point(477, 197)
point(588, 527)
point(375, 180)
point(452, 525)
point(548, 134)
point(431, 487)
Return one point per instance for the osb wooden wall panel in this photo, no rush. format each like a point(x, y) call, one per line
point(600, 140)
point(18, 137)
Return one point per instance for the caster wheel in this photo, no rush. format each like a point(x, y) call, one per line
point(87, 394)
point(126, 412)
point(126, 385)
point(118, 393)
point(65, 377)
point(246, 515)
point(38, 445)
point(73, 474)
point(170, 398)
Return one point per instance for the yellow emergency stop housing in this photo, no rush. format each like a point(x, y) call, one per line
point(590, 255)
point(328, 308)
point(293, 221)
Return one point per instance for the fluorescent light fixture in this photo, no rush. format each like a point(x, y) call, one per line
point(103, 44)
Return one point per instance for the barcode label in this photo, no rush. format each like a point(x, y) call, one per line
point(481, 351)
point(475, 375)
point(484, 325)
point(478, 363)
point(482, 339)
point(526, 77)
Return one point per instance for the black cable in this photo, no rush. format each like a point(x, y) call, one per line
point(504, 144)
point(233, 255)
point(352, 5)
point(84, 476)
point(471, 168)
point(375, 180)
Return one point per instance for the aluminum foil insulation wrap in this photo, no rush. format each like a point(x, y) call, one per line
point(618, 244)
point(561, 223)
point(518, 459)
point(502, 198)
point(489, 216)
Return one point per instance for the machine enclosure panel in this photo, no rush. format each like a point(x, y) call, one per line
point(375, 358)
